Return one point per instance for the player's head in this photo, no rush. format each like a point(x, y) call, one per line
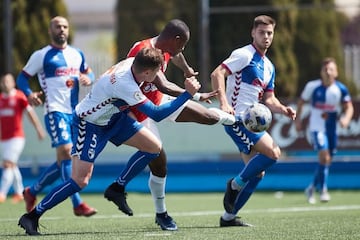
point(147, 63)
point(7, 82)
point(329, 71)
point(59, 31)
point(263, 32)
point(173, 37)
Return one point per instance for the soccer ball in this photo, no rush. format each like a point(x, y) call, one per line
point(257, 118)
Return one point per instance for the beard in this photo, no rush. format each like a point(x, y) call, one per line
point(59, 39)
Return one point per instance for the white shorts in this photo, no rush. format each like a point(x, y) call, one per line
point(151, 124)
point(12, 148)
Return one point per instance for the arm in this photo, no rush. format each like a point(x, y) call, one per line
point(348, 110)
point(35, 122)
point(218, 77)
point(87, 78)
point(276, 107)
point(172, 89)
point(299, 109)
point(158, 113)
point(22, 81)
point(180, 61)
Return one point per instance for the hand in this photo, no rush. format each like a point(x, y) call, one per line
point(344, 122)
point(34, 98)
point(84, 80)
point(205, 97)
point(291, 113)
point(190, 73)
point(192, 85)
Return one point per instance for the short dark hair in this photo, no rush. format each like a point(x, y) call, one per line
point(176, 27)
point(263, 19)
point(148, 58)
point(327, 60)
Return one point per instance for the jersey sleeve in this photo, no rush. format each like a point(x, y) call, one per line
point(22, 100)
point(308, 90)
point(135, 49)
point(345, 95)
point(237, 60)
point(34, 64)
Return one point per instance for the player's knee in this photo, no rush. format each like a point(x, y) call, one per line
point(275, 153)
point(158, 165)
point(81, 182)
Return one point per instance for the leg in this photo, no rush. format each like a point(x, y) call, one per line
point(262, 155)
point(82, 174)
point(18, 185)
point(157, 181)
point(7, 179)
point(149, 148)
point(195, 112)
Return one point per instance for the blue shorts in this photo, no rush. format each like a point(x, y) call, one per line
point(91, 139)
point(58, 125)
point(243, 138)
point(324, 141)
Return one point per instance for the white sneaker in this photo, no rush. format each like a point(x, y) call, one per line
point(309, 192)
point(325, 196)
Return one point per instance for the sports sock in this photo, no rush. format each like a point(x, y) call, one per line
point(318, 175)
point(228, 216)
point(50, 175)
point(135, 165)
point(7, 179)
point(245, 193)
point(255, 166)
point(224, 117)
point(57, 195)
point(18, 182)
point(66, 175)
point(323, 178)
point(157, 189)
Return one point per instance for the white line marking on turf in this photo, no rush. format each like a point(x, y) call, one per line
point(208, 213)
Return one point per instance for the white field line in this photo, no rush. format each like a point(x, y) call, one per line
point(209, 213)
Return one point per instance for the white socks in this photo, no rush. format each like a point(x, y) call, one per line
point(18, 182)
point(157, 189)
point(7, 179)
point(225, 118)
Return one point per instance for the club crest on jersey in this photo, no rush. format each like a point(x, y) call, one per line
point(69, 83)
point(149, 87)
point(138, 95)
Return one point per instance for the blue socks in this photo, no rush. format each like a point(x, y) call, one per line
point(57, 195)
point(254, 167)
point(245, 193)
point(248, 178)
point(66, 175)
point(135, 165)
point(49, 176)
point(320, 177)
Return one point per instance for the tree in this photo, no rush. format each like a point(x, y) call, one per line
point(30, 23)
point(318, 35)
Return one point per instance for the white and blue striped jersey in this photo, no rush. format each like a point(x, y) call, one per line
point(251, 74)
point(58, 72)
point(325, 103)
point(113, 92)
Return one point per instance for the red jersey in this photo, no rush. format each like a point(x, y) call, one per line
point(11, 109)
point(149, 89)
